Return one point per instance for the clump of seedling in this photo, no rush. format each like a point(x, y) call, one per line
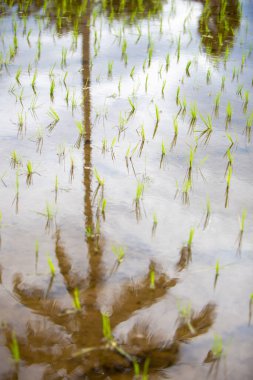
point(49, 213)
point(217, 272)
point(216, 353)
point(217, 103)
point(249, 124)
point(81, 130)
point(245, 101)
point(30, 172)
point(137, 200)
point(157, 114)
point(194, 113)
point(54, 115)
point(242, 219)
point(155, 223)
point(174, 140)
point(39, 138)
point(163, 154)
point(229, 112)
point(186, 252)
point(208, 213)
point(119, 252)
point(206, 133)
point(228, 181)
point(187, 69)
point(15, 159)
point(185, 316)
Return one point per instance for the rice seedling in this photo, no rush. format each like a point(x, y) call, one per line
point(76, 300)
point(228, 181)
point(190, 239)
point(119, 252)
point(167, 60)
point(51, 265)
point(150, 53)
point(239, 90)
point(152, 278)
point(163, 153)
point(99, 179)
point(81, 130)
point(146, 83)
point(174, 140)
point(65, 78)
point(132, 72)
point(223, 83)
point(245, 101)
point(28, 37)
point(178, 96)
point(243, 60)
point(52, 88)
point(64, 53)
point(163, 87)
point(39, 138)
point(208, 212)
point(14, 348)
point(34, 78)
point(187, 185)
point(187, 68)
point(178, 48)
point(109, 69)
point(217, 347)
point(132, 106)
point(185, 315)
point(157, 114)
point(208, 76)
point(194, 113)
point(138, 196)
point(241, 232)
point(15, 159)
point(230, 159)
point(21, 122)
point(155, 223)
point(54, 115)
point(146, 369)
point(73, 102)
point(29, 173)
point(217, 102)
point(206, 133)
point(250, 307)
point(107, 332)
point(229, 112)
point(249, 124)
point(217, 272)
point(38, 54)
point(17, 75)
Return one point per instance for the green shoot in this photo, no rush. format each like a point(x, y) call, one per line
point(14, 347)
point(100, 180)
point(217, 347)
point(51, 265)
point(187, 69)
point(119, 253)
point(191, 235)
point(106, 327)
point(76, 299)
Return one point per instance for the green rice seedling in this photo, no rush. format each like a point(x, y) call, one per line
point(73, 102)
point(132, 106)
point(163, 153)
point(183, 105)
point(187, 69)
point(155, 223)
point(167, 60)
point(15, 159)
point(174, 140)
point(21, 122)
point(49, 213)
point(246, 101)
point(34, 106)
point(76, 300)
point(206, 133)
point(157, 114)
point(152, 278)
point(228, 181)
point(54, 115)
point(109, 69)
point(146, 369)
point(230, 159)
point(29, 173)
point(249, 124)
point(208, 212)
point(64, 53)
point(146, 84)
point(217, 272)
point(39, 138)
point(51, 265)
point(34, 78)
point(190, 239)
point(208, 76)
point(132, 72)
point(178, 96)
point(138, 196)
point(28, 37)
point(187, 185)
point(229, 112)
point(239, 90)
point(103, 207)
point(119, 252)
point(38, 54)
point(160, 71)
point(217, 347)
point(217, 102)
point(163, 87)
point(81, 131)
point(107, 332)
point(250, 307)
point(178, 48)
point(124, 50)
point(150, 53)
point(65, 78)
point(243, 61)
point(52, 88)
point(100, 180)
point(136, 369)
point(194, 113)
point(67, 96)
point(51, 71)
point(241, 232)
point(17, 76)
point(185, 315)
point(14, 348)
point(223, 83)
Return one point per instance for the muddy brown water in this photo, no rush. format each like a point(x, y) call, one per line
point(183, 310)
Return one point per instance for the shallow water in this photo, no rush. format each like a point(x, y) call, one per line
point(164, 299)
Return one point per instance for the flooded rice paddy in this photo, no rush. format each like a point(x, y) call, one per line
point(126, 182)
